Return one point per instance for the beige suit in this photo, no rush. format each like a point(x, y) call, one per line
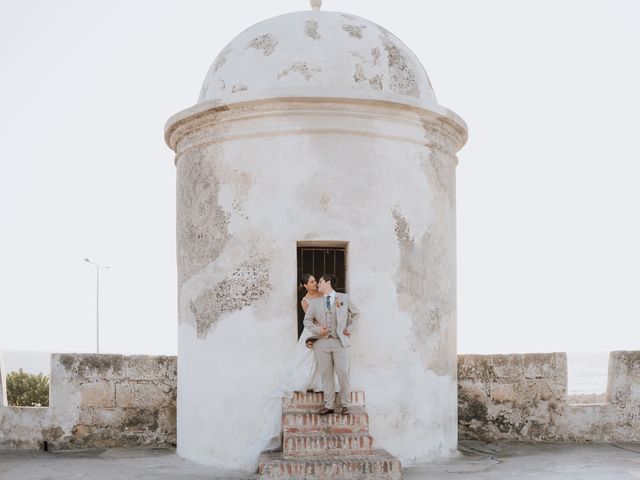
point(332, 350)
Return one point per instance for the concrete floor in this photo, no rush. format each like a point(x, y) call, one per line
point(476, 461)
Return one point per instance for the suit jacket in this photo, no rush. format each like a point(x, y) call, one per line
point(346, 314)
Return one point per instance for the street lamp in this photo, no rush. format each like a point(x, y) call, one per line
point(97, 301)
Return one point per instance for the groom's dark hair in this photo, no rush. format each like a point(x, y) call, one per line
point(327, 277)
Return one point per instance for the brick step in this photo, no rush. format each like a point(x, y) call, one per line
point(312, 401)
point(313, 444)
point(379, 465)
point(356, 422)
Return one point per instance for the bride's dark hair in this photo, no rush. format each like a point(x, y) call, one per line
point(304, 279)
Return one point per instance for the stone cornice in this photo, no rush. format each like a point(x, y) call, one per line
point(209, 122)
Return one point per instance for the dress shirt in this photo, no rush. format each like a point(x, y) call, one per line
point(332, 298)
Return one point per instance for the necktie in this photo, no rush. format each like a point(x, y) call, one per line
point(328, 300)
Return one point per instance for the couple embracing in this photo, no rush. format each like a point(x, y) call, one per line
point(321, 354)
point(329, 317)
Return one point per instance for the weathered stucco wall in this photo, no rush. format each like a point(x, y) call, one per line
point(98, 401)
point(315, 128)
point(253, 181)
point(524, 398)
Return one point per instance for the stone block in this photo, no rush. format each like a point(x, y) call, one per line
point(476, 368)
point(503, 392)
point(141, 419)
point(97, 394)
point(624, 377)
point(101, 416)
point(167, 421)
point(150, 368)
point(551, 366)
point(142, 395)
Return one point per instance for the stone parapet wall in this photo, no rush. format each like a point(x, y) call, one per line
point(98, 401)
point(523, 397)
point(116, 400)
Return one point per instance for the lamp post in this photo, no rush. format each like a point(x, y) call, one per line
point(97, 301)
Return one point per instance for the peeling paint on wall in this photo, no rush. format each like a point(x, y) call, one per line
point(402, 70)
point(441, 153)
point(311, 29)
point(365, 65)
point(221, 59)
point(376, 82)
point(358, 73)
point(267, 43)
point(246, 286)
point(325, 201)
point(403, 235)
point(425, 282)
point(239, 88)
point(375, 55)
point(354, 31)
point(241, 182)
point(203, 226)
point(302, 68)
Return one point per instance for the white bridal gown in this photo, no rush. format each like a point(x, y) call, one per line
point(299, 374)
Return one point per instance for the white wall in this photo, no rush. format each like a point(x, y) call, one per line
point(255, 179)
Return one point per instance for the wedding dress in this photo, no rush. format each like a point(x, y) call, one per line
point(299, 374)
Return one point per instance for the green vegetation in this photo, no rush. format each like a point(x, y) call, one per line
point(27, 389)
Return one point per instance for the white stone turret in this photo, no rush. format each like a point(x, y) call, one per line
point(315, 128)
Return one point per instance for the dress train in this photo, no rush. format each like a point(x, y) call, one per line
point(300, 374)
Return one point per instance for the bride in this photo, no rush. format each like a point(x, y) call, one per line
point(300, 374)
point(301, 371)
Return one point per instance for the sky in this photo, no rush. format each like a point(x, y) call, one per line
point(547, 185)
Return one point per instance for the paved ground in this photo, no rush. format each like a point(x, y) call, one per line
point(476, 461)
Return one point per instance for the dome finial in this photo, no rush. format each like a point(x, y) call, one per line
point(315, 4)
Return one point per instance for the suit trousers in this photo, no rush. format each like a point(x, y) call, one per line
point(332, 355)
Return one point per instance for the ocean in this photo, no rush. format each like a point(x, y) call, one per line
point(587, 371)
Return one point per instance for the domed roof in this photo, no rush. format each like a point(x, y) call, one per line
point(317, 54)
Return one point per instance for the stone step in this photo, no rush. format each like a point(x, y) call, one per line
point(356, 422)
point(378, 465)
point(312, 401)
point(312, 444)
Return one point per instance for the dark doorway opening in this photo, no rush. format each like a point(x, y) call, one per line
point(317, 261)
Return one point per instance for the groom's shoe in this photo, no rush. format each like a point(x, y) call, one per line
point(325, 411)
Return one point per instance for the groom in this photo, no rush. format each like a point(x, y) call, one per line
point(332, 318)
